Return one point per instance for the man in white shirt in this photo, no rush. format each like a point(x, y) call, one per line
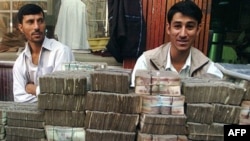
point(184, 25)
point(40, 56)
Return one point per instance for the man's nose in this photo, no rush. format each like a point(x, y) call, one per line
point(36, 25)
point(183, 32)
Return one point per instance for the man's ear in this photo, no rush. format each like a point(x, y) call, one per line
point(20, 27)
point(168, 28)
point(198, 30)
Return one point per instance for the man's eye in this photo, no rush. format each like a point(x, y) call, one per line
point(190, 26)
point(40, 21)
point(29, 22)
point(177, 26)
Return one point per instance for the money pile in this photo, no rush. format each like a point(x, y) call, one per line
point(111, 80)
point(211, 104)
point(148, 137)
point(63, 100)
point(112, 111)
point(112, 116)
point(161, 104)
point(64, 133)
point(87, 66)
point(245, 104)
point(3, 106)
point(245, 113)
point(157, 83)
point(160, 92)
point(162, 115)
point(163, 124)
point(24, 121)
point(109, 135)
point(64, 82)
point(208, 132)
point(113, 102)
point(212, 91)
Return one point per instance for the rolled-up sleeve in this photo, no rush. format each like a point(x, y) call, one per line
point(19, 83)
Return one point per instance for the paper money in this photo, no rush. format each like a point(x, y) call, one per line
point(63, 133)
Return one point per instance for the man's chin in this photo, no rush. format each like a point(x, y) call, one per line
point(40, 40)
point(183, 48)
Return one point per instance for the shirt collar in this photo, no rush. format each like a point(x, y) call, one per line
point(46, 45)
point(169, 65)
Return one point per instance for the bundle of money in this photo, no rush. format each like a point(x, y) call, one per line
point(111, 80)
point(152, 137)
point(210, 132)
point(162, 104)
point(157, 83)
point(245, 113)
point(62, 82)
point(63, 100)
point(200, 113)
point(151, 104)
point(163, 124)
point(212, 91)
point(109, 135)
point(113, 121)
point(87, 66)
point(113, 102)
point(25, 121)
point(64, 133)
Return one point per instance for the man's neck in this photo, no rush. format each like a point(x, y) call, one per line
point(35, 48)
point(178, 59)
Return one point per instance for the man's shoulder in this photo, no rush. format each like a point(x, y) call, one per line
point(53, 44)
point(160, 49)
point(197, 53)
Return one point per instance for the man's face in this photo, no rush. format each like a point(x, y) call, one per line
point(183, 31)
point(33, 27)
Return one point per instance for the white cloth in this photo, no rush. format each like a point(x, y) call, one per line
point(52, 55)
point(71, 27)
point(184, 72)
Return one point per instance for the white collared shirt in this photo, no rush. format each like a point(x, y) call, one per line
point(51, 57)
point(184, 72)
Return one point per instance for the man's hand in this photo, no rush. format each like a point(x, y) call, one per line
point(31, 88)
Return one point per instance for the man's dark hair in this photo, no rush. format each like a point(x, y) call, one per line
point(187, 8)
point(28, 9)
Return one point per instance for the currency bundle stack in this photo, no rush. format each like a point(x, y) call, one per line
point(243, 82)
point(161, 104)
point(157, 83)
point(65, 83)
point(163, 124)
point(86, 66)
point(160, 92)
point(3, 119)
point(245, 113)
point(112, 111)
point(241, 78)
point(211, 104)
point(111, 80)
point(162, 116)
point(212, 91)
point(149, 137)
point(112, 116)
point(24, 122)
point(63, 100)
